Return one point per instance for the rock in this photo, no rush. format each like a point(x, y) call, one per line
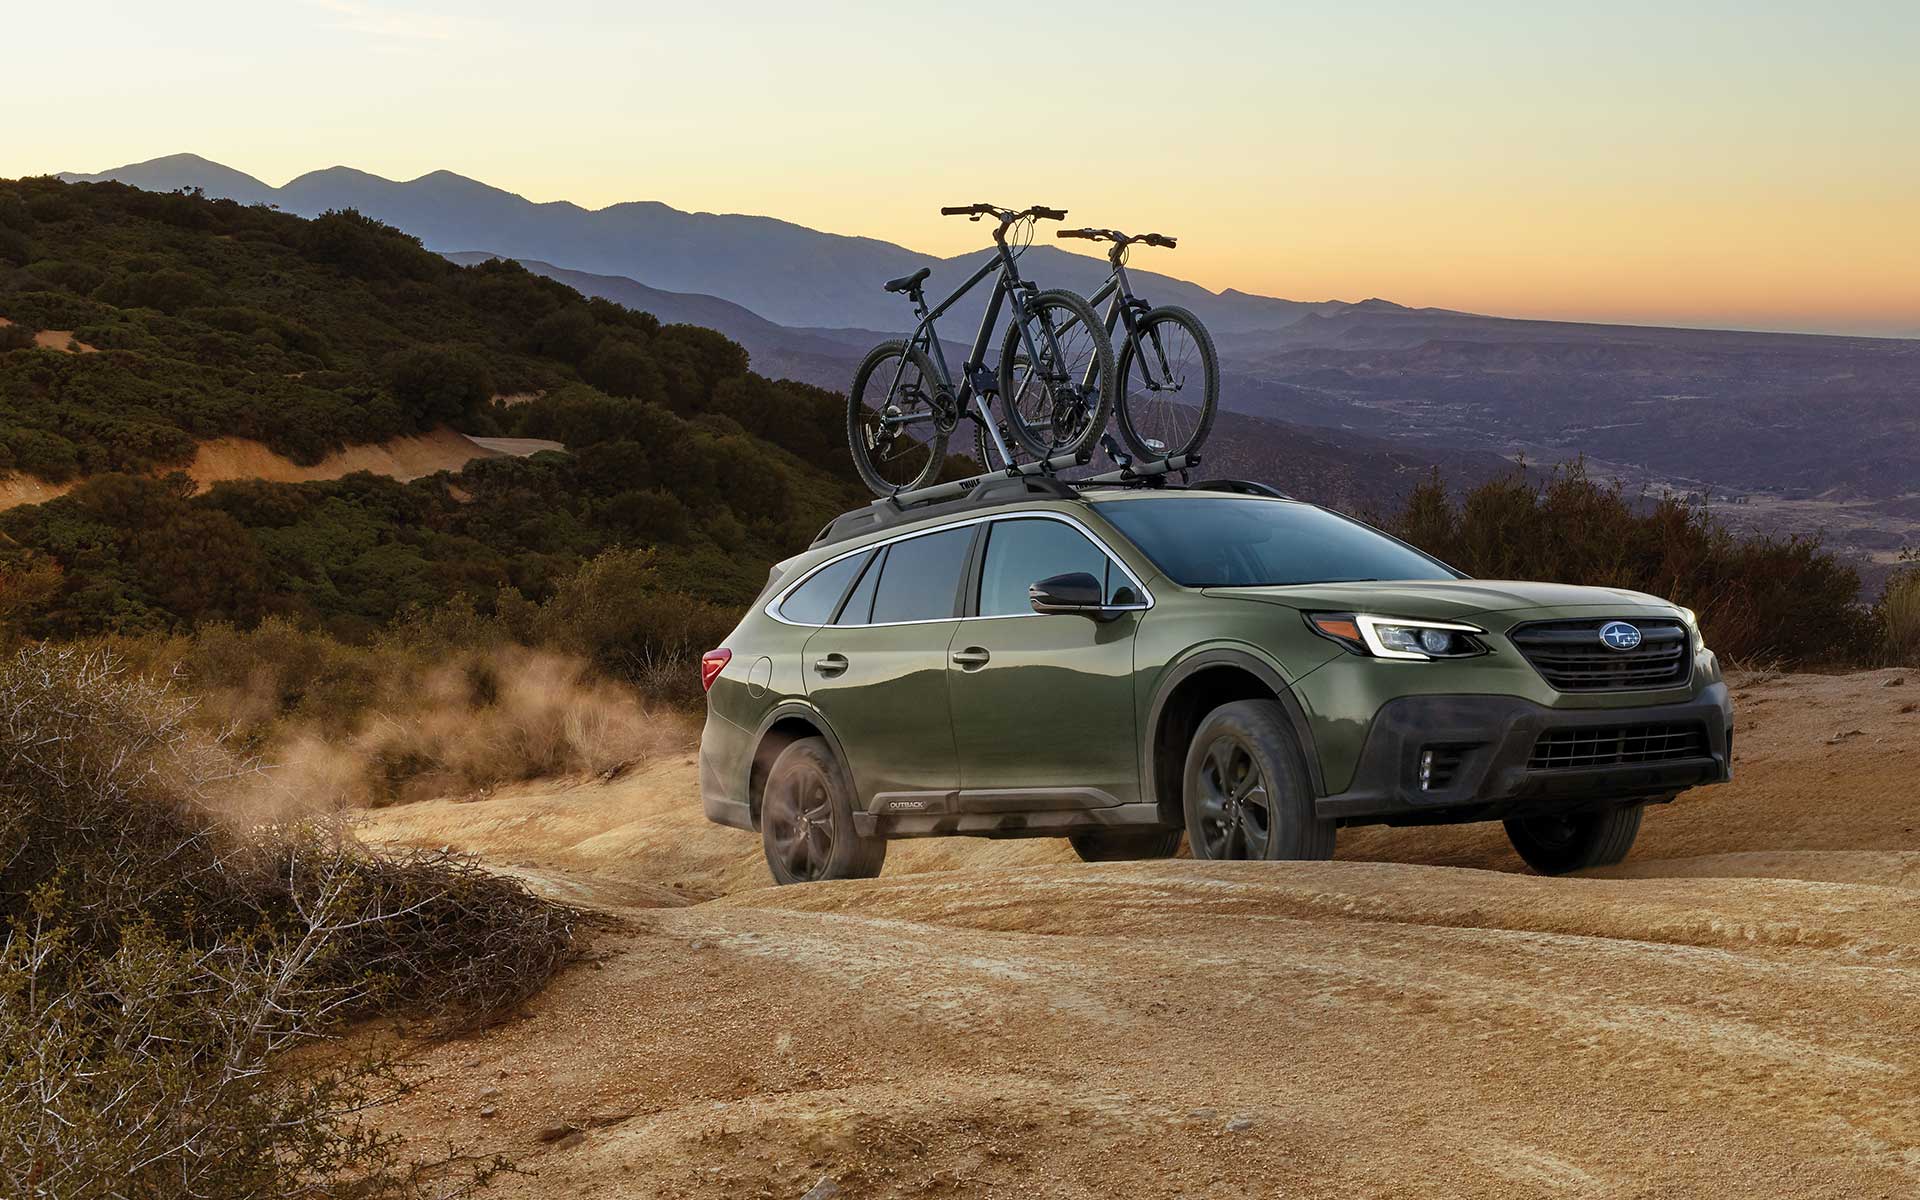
point(1907, 708)
point(1240, 1124)
point(489, 1113)
point(1843, 735)
point(1201, 1114)
point(489, 1093)
point(826, 1189)
point(555, 1133)
point(1896, 681)
point(570, 1141)
point(473, 1064)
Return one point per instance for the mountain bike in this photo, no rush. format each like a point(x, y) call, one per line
point(904, 405)
point(1168, 371)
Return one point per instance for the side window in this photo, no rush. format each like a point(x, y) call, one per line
point(858, 610)
point(1021, 553)
point(921, 577)
point(813, 602)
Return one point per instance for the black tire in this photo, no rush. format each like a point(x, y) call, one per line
point(806, 819)
point(1158, 423)
point(1045, 419)
point(1246, 790)
point(1554, 845)
point(889, 460)
point(1125, 845)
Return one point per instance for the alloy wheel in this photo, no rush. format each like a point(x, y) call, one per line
point(802, 816)
point(1236, 809)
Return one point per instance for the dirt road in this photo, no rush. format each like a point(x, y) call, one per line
point(1736, 1014)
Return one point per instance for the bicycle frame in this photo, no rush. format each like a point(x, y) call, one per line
point(976, 382)
point(1126, 309)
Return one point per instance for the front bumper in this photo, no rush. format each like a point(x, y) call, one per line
point(1493, 739)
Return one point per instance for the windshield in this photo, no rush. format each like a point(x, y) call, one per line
point(1247, 542)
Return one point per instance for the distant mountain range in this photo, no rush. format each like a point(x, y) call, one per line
point(786, 273)
point(1823, 429)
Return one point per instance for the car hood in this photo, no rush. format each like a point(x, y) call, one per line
point(1443, 599)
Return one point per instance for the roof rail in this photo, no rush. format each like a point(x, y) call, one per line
point(1243, 487)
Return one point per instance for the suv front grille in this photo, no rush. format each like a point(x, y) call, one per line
point(1570, 655)
point(1614, 745)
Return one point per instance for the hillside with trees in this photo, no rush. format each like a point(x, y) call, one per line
point(212, 319)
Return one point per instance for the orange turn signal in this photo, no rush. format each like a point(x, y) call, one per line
point(1343, 628)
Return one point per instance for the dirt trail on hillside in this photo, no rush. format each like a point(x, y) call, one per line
point(222, 460)
point(1734, 1011)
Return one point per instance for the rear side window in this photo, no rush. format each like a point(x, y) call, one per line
point(858, 610)
point(813, 602)
point(1021, 553)
point(921, 578)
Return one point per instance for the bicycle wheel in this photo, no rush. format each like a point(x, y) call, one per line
point(895, 421)
point(1059, 407)
point(1168, 393)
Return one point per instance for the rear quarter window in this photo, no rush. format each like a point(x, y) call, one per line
point(813, 602)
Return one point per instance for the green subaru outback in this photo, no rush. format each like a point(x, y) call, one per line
point(1124, 665)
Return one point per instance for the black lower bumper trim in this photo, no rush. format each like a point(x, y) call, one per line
point(1489, 745)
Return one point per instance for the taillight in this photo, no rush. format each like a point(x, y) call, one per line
point(711, 664)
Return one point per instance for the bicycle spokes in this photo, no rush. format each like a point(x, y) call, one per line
point(1055, 395)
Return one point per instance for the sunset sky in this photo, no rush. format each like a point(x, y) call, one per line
point(1735, 164)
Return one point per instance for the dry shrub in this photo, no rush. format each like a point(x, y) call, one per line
point(1759, 599)
point(158, 955)
point(1898, 615)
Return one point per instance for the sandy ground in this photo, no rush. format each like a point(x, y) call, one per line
point(1734, 1011)
point(223, 459)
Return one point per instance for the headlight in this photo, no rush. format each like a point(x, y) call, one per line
point(1399, 637)
point(1693, 627)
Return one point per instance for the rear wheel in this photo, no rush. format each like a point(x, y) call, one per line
point(1168, 393)
point(897, 421)
point(1554, 845)
point(1125, 845)
point(1058, 405)
point(806, 819)
point(1247, 793)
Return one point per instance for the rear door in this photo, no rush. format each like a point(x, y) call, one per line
point(1043, 708)
point(878, 671)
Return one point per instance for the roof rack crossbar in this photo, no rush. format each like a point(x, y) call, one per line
point(953, 490)
point(1151, 469)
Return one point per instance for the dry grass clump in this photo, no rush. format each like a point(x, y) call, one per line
point(158, 953)
point(1899, 618)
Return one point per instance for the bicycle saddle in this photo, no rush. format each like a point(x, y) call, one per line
point(909, 282)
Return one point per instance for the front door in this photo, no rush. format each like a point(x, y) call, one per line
point(1043, 711)
point(878, 673)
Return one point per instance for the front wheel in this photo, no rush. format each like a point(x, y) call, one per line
point(1247, 793)
point(806, 819)
point(898, 419)
point(1058, 402)
point(1556, 844)
point(1169, 384)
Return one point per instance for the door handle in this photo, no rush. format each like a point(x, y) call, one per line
point(972, 656)
point(830, 664)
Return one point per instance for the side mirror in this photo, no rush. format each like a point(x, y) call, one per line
point(1074, 594)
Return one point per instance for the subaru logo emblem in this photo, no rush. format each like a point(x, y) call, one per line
point(1619, 635)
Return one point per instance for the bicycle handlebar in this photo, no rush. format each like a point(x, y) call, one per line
point(1007, 215)
point(1114, 235)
